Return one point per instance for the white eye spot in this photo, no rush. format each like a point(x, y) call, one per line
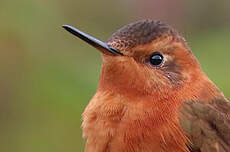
point(167, 57)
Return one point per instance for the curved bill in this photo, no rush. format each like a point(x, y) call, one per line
point(103, 47)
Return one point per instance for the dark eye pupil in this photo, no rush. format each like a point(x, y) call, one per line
point(156, 59)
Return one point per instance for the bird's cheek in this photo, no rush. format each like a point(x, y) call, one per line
point(154, 79)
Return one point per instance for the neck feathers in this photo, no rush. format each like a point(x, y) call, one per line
point(133, 121)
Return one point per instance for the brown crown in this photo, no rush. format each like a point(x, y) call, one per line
point(138, 33)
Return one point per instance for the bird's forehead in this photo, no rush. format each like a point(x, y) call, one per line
point(139, 33)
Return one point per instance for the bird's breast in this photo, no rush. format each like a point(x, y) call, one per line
point(112, 124)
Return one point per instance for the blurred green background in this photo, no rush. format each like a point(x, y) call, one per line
point(47, 76)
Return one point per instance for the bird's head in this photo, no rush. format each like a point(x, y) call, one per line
point(147, 72)
point(149, 58)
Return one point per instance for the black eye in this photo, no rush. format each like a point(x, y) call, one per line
point(156, 59)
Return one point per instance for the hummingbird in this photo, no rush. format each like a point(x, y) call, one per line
point(152, 95)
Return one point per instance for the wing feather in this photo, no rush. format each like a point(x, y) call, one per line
point(207, 125)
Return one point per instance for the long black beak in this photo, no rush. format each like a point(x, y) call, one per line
point(103, 47)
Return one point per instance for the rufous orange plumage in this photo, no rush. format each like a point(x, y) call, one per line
point(153, 95)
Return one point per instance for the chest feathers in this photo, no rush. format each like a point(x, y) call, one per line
point(113, 124)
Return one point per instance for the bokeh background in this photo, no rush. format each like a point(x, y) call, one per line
point(47, 76)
